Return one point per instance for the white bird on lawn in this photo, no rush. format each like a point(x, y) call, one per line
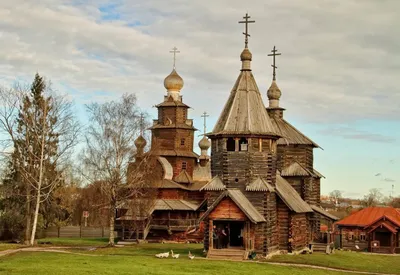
point(357, 247)
point(166, 254)
point(175, 256)
point(191, 256)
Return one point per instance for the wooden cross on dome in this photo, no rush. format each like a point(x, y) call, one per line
point(141, 123)
point(205, 115)
point(273, 54)
point(246, 24)
point(174, 51)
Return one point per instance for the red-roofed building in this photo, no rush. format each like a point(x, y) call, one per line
point(376, 229)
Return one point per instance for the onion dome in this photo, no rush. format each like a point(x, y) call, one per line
point(140, 142)
point(246, 55)
point(204, 144)
point(274, 93)
point(173, 82)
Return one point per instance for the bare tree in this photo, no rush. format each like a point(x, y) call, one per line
point(335, 197)
point(373, 198)
point(110, 137)
point(41, 130)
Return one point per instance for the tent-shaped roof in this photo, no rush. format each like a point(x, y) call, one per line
point(244, 112)
point(296, 169)
point(368, 215)
point(215, 184)
point(290, 196)
point(183, 177)
point(241, 201)
point(259, 185)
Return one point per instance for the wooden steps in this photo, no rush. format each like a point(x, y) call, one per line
point(227, 254)
point(319, 247)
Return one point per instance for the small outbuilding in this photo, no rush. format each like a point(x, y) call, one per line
point(373, 229)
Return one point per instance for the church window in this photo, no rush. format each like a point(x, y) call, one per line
point(243, 144)
point(184, 165)
point(182, 141)
point(236, 180)
point(230, 144)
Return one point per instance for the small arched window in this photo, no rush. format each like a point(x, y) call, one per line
point(243, 144)
point(230, 144)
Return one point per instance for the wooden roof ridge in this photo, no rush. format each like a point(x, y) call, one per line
point(386, 225)
point(384, 217)
point(290, 134)
point(241, 201)
point(172, 204)
point(295, 169)
point(170, 184)
point(259, 184)
point(244, 111)
point(184, 177)
point(290, 196)
point(324, 213)
point(215, 184)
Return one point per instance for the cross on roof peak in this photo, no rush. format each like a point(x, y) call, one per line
point(273, 54)
point(174, 51)
point(205, 115)
point(246, 33)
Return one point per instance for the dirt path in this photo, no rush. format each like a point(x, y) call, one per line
point(54, 249)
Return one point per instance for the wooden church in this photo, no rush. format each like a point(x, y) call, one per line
point(259, 187)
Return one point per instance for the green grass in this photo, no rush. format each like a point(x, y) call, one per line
point(346, 260)
point(58, 264)
point(74, 241)
point(140, 259)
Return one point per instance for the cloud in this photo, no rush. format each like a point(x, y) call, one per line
point(338, 62)
point(351, 133)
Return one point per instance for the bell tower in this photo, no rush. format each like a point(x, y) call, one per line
point(173, 132)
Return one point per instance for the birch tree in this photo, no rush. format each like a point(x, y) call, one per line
point(110, 137)
point(42, 130)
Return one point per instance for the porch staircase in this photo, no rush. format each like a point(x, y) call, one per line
point(227, 254)
point(320, 247)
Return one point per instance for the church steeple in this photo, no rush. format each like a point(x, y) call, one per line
point(274, 93)
point(172, 132)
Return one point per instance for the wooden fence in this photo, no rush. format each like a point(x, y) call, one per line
point(76, 232)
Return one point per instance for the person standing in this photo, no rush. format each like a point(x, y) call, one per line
point(215, 237)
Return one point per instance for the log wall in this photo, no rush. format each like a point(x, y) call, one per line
point(227, 210)
point(298, 231)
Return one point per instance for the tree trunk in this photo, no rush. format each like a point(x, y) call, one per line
point(112, 220)
point(39, 184)
point(28, 215)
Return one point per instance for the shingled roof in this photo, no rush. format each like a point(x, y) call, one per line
point(215, 184)
point(290, 135)
point(244, 112)
point(368, 215)
point(241, 201)
point(290, 196)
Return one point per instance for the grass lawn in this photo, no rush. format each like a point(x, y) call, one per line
point(346, 260)
point(139, 259)
point(122, 263)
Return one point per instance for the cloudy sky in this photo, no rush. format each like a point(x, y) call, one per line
point(337, 71)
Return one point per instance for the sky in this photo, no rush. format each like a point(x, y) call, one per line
point(337, 71)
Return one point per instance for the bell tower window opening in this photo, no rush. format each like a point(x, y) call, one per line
point(243, 144)
point(184, 165)
point(230, 145)
point(182, 141)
